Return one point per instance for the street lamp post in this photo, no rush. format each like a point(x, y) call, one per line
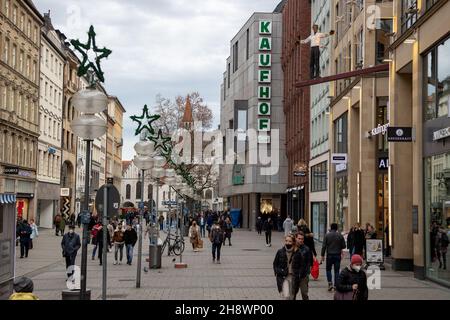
point(89, 127)
point(142, 161)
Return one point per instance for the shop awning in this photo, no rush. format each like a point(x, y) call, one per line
point(7, 198)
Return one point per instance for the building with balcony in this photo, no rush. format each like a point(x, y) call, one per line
point(51, 105)
point(420, 170)
point(252, 121)
point(20, 47)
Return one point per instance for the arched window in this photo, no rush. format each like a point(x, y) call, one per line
point(208, 194)
point(128, 191)
point(138, 190)
point(150, 192)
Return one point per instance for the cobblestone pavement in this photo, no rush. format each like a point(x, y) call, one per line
point(245, 273)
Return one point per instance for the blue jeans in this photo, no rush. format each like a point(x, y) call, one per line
point(202, 231)
point(129, 253)
point(333, 260)
point(94, 251)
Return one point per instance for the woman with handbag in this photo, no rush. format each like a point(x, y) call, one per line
point(352, 282)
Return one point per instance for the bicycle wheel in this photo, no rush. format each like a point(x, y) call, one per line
point(178, 247)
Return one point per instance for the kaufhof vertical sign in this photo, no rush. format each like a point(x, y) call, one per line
point(264, 80)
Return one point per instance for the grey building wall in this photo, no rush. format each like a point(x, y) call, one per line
point(244, 86)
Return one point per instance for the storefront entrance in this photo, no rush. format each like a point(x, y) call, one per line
point(382, 207)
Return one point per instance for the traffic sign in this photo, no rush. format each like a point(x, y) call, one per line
point(113, 200)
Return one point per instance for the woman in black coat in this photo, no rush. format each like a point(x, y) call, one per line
point(352, 282)
point(286, 266)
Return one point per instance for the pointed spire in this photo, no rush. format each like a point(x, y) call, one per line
point(187, 117)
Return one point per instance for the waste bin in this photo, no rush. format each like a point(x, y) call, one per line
point(155, 249)
point(155, 256)
point(74, 294)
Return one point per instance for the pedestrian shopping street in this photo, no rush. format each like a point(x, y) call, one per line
point(245, 273)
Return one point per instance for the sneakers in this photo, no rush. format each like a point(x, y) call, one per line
point(93, 258)
point(115, 263)
point(218, 261)
point(330, 287)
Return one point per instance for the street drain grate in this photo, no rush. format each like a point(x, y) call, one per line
point(251, 249)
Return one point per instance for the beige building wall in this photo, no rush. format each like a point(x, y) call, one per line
point(358, 98)
point(20, 27)
point(407, 109)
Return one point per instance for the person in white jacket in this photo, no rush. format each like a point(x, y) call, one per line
point(34, 233)
point(287, 226)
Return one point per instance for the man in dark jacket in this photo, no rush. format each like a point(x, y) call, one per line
point(306, 264)
point(353, 280)
point(130, 238)
point(333, 245)
point(356, 240)
point(287, 267)
point(268, 226)
point(24, 232)
point(100, 243)
point(70, 245)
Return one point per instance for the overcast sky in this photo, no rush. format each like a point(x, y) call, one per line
point(169, 47)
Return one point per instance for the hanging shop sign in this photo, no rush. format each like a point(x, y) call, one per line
point(441, 134)
point(65, 192)
point(400, 134)
point(381, 129)
point(11, 170)
point(339, 158)
point(383, 163)
point(264, 79)
point(300, 170)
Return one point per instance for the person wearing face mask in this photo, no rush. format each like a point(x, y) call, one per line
point(286, 266)
point(70, 245)
point(352, 282)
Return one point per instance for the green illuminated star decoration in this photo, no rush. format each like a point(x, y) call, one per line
point(162, 143)
point(100, 54)
point(145, 121)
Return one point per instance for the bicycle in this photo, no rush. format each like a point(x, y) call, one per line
point(177, 247)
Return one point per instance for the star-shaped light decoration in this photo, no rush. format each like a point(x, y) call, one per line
point(86, 64)
point(161, 142)
point(147, 119)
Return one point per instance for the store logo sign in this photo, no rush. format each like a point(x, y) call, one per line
point(381, 129)
point(383, 163)
point(264, 80)
point(400, 134)
point(441, 134)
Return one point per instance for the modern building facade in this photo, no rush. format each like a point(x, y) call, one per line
point(359, 110)
point(319, 165)
point(297, 109)
point(19, 122)
point(51, 104)
point(252, 120)
point(419, 170)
